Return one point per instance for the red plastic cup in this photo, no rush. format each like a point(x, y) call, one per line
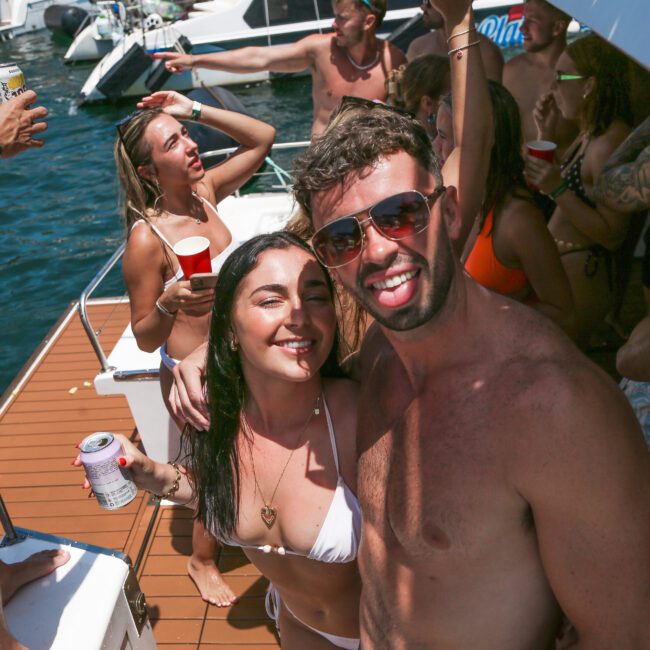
point(193, 255)
point(544, 149)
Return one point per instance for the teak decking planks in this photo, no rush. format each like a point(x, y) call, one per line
point(41, 420)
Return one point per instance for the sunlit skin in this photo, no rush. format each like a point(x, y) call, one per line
point(422, 290)
point(285, 327)
point(443, 143)
point(174, 155)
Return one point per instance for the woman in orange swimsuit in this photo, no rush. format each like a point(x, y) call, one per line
point(591, 87)
point(169, 196)
point(510, 250)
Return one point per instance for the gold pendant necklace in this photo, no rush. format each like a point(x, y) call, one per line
point(268, 513)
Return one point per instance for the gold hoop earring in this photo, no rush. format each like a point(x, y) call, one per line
point(233, 345)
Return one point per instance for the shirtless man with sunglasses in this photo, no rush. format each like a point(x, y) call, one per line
point(351, 61)
point(502, 477)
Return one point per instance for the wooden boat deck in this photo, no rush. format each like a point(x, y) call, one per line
point(43, 414)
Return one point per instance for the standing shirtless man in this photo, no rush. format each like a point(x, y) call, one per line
point(502, 476)
point(529, 76)
point(435, 42)
point(351, 61)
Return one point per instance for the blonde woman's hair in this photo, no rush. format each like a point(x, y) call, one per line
point(140, 195)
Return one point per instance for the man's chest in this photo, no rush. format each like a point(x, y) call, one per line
point(435, 477)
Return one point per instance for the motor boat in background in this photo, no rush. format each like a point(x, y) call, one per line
point(103, 29)
point(214, 26)
point(19, 17)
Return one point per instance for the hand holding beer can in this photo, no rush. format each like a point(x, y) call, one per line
point(12, 82)
point(111, 483)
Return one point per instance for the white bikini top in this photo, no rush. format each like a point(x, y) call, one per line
point(340, 532)
point(217, 262)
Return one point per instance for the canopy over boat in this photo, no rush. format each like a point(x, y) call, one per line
point(624, 24)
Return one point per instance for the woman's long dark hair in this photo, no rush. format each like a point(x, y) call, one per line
point(213, 454)
point(506, 172)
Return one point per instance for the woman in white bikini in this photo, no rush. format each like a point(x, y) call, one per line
point(273, 472)
point(168, 196)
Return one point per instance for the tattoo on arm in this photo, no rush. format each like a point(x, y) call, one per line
point(635, 143)
point(627, 186)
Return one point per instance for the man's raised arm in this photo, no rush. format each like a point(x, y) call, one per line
point(467, 166)
point(278, 58)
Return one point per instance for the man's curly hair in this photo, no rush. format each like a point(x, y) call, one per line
point(356, 138)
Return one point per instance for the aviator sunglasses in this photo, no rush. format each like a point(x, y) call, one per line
point(396, 217)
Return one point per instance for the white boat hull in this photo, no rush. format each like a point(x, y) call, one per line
point(88, 47)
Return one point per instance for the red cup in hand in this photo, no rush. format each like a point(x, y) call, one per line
point(544, 149)
point(193, 255)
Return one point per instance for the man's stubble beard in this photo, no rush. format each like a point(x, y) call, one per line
point(440, 279)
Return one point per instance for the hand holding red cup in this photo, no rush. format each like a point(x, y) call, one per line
point(542, 149)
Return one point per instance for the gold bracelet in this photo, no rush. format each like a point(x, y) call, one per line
point(175, 485)
point(467, 31)
point(459, 50)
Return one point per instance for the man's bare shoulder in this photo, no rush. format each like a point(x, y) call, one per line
point(560, 399)
point(395, 55)
point(423, 45)
point(519, 64)
point(317, 43)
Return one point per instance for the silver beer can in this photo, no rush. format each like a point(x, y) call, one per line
point(12, 81)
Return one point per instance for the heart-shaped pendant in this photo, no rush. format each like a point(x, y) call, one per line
point(269, 516)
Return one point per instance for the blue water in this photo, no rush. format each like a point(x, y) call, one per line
point(58, 205)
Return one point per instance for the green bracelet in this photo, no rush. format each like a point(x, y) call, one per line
point(559, 190)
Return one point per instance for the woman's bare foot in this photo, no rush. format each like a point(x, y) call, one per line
point(14, 576)
point(210, 583)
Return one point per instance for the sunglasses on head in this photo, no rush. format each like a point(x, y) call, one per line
point(348, 101)
point(564, 76)
point(396, 217)
point(121, 124)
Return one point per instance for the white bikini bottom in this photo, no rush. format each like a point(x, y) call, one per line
point(273, 603)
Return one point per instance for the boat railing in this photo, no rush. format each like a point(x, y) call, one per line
point(284, 184)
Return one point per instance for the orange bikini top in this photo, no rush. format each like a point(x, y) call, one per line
point(483, 265)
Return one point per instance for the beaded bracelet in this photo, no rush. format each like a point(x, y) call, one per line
point(175, 485)
point(467, 31)
point(163, 310)
point(459, 50)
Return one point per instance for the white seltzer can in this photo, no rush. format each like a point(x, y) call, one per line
point(12, 81)
point(111, 483)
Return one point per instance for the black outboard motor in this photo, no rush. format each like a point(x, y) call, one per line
point(65, 19)
point(207, 137)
